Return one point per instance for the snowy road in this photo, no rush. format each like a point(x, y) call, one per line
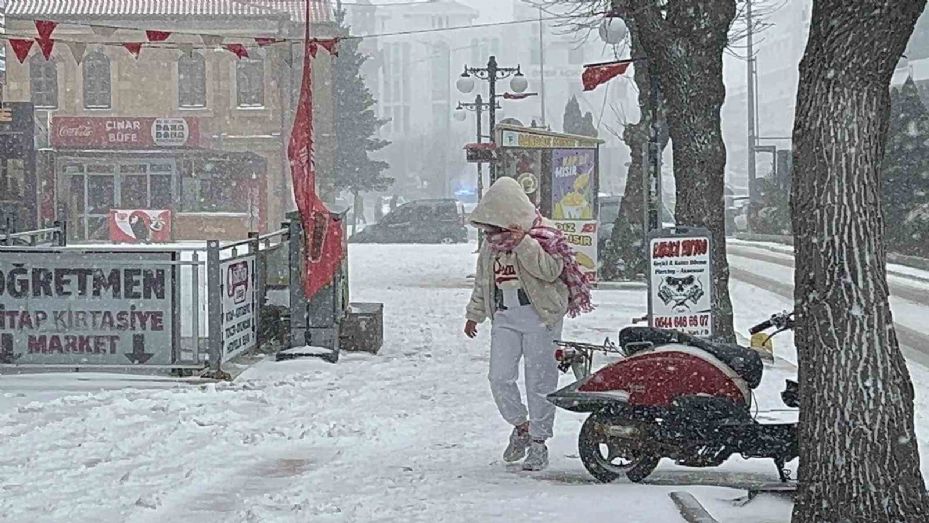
point(408, 435)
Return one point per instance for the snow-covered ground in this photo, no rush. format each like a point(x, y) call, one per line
point(410, 434)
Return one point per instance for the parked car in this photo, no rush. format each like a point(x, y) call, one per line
point(419, 221)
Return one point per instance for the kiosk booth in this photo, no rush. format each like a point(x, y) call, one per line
point(560, 174)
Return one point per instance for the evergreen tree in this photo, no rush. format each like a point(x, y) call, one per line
point(577, 123)
point(356, 124)
point(905, 173)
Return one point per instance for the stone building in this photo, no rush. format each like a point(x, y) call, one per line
point(186, 125)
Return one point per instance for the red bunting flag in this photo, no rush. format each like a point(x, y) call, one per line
point(134, 48)
point(329, 45)
point(237, 49)
point(157, 36)
point(262, 42)
point(45, 28)
point(323, 232)
point(597, 74)
point(21, 48)
point(46, 45)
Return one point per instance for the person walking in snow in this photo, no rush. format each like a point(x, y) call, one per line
point(526, 281)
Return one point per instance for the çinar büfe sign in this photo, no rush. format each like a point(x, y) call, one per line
point(93, 308)
point(239, 325)
point(680, 284)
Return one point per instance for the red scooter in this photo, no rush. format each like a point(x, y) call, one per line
point(674, 396)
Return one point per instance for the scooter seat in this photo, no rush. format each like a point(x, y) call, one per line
point(745, 362)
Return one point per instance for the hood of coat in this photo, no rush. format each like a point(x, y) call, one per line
point(505, 204)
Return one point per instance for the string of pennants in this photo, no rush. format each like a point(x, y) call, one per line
point(157, 39)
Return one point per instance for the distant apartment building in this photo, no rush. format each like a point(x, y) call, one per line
point(198, 131)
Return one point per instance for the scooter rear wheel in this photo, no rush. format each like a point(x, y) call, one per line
point(608, 456)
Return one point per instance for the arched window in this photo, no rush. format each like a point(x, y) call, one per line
point(191, 81)
point(249, 81)
point(43, 81)
point(97, 81)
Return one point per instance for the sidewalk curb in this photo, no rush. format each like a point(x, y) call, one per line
point(691, 509)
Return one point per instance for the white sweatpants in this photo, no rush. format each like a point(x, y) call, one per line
point(519, 332)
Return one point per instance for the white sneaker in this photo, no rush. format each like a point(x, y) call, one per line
point(538, 457)
point(516, 450)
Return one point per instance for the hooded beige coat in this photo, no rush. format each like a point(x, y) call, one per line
point(505, 204)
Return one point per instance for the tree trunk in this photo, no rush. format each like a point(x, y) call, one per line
point(858, 451)
point(684, 45)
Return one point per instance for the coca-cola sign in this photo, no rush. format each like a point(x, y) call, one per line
point(119, 132)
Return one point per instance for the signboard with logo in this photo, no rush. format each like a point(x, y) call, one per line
point(582, 237)
point(118, 132)
point(680, 292)
point(537, 139)
point(139, 225)
point(64, 307)
point(572, 184)
point(240, 329)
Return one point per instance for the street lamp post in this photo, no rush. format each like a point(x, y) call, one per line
point(477, 107)
point(491, 73)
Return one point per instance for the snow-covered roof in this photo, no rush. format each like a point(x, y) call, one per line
point(320, 10)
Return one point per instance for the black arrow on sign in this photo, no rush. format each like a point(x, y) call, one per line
point(6, 349)
point(138, 355)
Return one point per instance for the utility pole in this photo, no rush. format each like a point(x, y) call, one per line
point(541, 67)
point(750, 96)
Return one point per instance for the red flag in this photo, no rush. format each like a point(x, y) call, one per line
point(324, 236)
point(157, 36)
point(330, 45)
point(517, 96)
point(45, 28)
point(46, 45)
point(262, 42)
point(597, 74)
point(133, 47)
point(237, 49)
point(21, 48)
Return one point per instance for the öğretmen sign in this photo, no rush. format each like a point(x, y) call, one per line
point(680, 281)
point(93, 308)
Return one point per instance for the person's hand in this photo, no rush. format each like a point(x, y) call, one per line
point(516, 233)
point(470, 329)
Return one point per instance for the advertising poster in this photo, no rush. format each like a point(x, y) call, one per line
point(70, 308)
point(140, 226)
point(680, 284)
point(122, 132)
point(525, 166)
point(573, 172)
point(582, 236)
point(239, 325)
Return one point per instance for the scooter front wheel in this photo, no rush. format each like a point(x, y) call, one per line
point(608, 455)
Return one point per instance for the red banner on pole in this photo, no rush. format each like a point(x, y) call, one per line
point(323, 234)
point(595, 75)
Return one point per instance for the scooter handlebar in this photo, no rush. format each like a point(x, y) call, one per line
point(765, 325)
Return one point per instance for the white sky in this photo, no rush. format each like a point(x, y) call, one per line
point(490, 9)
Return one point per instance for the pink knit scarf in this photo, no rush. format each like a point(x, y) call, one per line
point(553, 242)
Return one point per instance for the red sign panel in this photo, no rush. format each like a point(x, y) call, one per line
point(117, 132)
point(140, 226)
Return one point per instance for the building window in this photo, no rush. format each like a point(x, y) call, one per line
point(249, 82)
point(97, 81)
point(440, 71)
point(43, 81)
point(576, 55)
point(191, 81)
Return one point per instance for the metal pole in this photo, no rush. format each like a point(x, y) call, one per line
point(195, 304)
point(479, 110)
point(492, 78)
point(541, 68)
point(215, 299)
point(750, 92)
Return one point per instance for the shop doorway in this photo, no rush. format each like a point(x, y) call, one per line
point(95, 187)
